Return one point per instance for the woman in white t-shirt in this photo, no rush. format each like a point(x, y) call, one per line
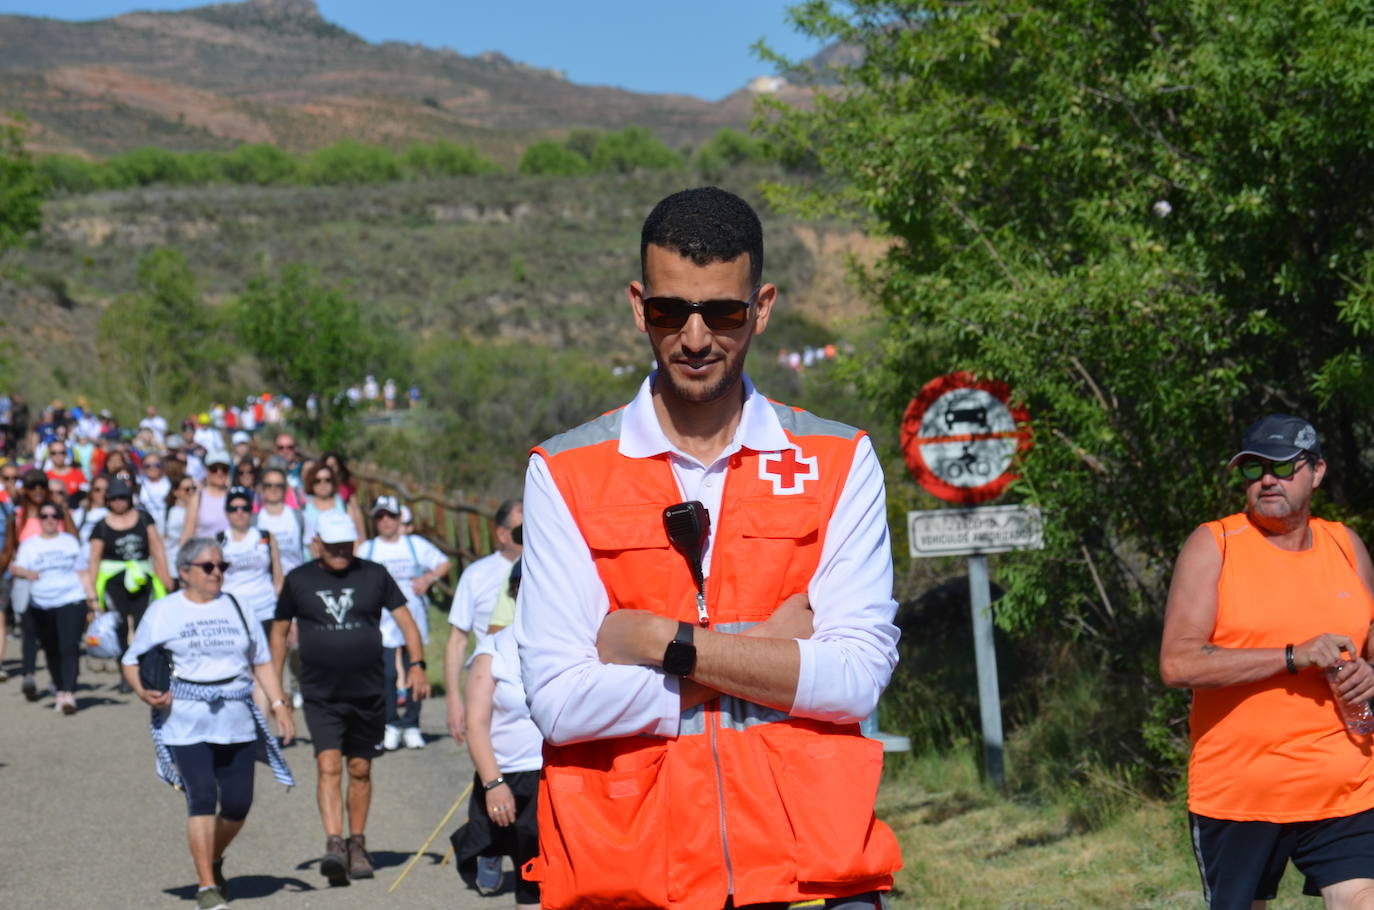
point(414, 564)
point(209, 730)
point(254, 574)
point(286, 524)
point(507, 753)
point(61, 598)
point(174, 518)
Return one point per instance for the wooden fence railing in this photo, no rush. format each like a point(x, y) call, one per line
point(463, 528)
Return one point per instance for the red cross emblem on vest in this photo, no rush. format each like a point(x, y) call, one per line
point(788, 470)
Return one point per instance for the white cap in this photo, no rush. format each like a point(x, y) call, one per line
point(386, 504)
point(334, 526)
point(219, 456)
point(241, 436)
point(406, 515)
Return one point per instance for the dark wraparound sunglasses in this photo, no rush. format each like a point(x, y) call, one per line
point(719, 315)
point(1255, 468)
point(43, 516)
point(238, 509)
point(208, 567)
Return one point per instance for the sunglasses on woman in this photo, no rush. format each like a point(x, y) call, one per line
point(209, 567)
point(1254, 468)
point(719, 315)
point(48, 516)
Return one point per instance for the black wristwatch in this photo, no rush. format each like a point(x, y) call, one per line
point(680, 657)
point(417, 663)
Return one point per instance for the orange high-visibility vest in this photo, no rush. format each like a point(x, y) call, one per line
point(746, 801)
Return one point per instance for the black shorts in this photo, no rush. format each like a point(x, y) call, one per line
point(1242, 862)
point(354, 726)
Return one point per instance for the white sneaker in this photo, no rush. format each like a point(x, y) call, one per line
point(414, 738)
point(392, 740)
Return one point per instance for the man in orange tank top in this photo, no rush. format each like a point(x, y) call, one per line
point(700, 698)
point(1269, 623)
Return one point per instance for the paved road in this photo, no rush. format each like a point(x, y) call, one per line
point(85, 822)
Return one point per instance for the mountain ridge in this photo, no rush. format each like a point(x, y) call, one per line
point(276, 71)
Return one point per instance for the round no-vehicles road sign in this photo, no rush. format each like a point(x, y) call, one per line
point(960, 434)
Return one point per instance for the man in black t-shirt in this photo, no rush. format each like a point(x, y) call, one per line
point(337, 603)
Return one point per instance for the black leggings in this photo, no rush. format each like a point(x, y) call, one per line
point(59, 630)
point(216, 773)
point(127, 605)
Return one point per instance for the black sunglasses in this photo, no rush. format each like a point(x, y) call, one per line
point(53, 515)
point(1254, 468)
point(208, 567)
point(240, 508)
point(719, 315)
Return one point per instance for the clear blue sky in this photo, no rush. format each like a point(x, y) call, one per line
point(696, 48)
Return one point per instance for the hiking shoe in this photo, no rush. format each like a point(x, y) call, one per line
point(30, 688)
point(217, 868)
point(414, 739)
point(211, 899)
point(334, 864)
point(359, 863)
point(489, 875)
point(391, 740)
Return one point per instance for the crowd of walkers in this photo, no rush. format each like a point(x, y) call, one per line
point(199, 548)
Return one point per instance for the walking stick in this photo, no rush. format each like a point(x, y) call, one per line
point(425, 846)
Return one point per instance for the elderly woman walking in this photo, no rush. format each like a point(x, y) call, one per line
point(206, 727)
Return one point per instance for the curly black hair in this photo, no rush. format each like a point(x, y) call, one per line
point(705, 225)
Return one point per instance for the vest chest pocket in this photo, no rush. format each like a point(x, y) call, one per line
point(774, 553)
point(629, 542)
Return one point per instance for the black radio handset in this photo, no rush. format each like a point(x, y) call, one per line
point(688, 524)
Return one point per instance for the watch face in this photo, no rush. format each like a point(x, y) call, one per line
point(679, 658)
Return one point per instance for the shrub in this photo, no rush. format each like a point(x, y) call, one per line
point(259, 163)
point(350, 162)
point(547, 157)
point(631, 149)
point(441, 158)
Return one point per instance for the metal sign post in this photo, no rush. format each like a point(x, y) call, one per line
point(961, 435)
point(975, 533)
point(985, 657)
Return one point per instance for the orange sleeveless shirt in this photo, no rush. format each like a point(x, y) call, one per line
point(1275, 749)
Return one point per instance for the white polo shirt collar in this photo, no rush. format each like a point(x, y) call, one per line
point(641, 436)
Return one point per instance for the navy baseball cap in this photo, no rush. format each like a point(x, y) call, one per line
point(1278, 437)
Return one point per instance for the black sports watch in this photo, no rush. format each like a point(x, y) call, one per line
point(680, 657)
point(417, 663)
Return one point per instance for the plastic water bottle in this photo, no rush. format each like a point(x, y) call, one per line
point(1358, 717)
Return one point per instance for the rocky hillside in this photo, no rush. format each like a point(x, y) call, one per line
point(276, 71)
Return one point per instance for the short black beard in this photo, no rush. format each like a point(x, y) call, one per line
point(728, 381)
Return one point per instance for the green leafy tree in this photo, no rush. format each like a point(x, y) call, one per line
point(583, 140)
point(163, 344)
point(446, 159)
point(259, 163)
point(727, 149)
point(72, 174)
point(631, 149)
point(553, 159)
point(22, 188)
point(351, 162)
point(1152, 219)
point(312, 337)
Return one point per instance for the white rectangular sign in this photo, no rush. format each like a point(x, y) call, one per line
point(984, 529)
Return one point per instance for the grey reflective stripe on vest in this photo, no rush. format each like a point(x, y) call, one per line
point(735, 713)
point(602, 429)
point(804, 423)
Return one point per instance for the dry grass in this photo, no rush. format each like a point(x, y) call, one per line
point(966, 848)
